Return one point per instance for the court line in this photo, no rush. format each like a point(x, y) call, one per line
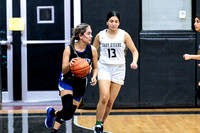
point(76, 123)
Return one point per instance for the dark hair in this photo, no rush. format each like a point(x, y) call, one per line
point(197, 16)
point(80, 29)
point(113, 14)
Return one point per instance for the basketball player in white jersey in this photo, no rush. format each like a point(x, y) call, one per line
point(111, 65)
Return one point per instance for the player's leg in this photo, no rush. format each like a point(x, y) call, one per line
point(104, 91)
point(67, 103)
point(117, 79)
point(65, 114)
point(114, 91)
point(51, 113)
point(104, 81)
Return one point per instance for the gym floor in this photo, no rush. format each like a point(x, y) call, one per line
point(16, 118)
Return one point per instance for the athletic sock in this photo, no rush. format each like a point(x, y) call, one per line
point(98, 122)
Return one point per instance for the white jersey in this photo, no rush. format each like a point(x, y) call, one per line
point(112, 50)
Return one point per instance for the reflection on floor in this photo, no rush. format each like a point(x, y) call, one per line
point(30, 119)
point(33, 123)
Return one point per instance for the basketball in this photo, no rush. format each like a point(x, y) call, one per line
point(80, 68)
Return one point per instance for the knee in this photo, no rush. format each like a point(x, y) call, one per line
point(68, 113)
point(67, 116)
point(104, 99)
point(110, 104)
point(63, 115)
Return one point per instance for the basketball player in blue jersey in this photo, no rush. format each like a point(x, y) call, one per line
point(195, 57)
point(111, 65)
point(72, 88)
point(197, 28)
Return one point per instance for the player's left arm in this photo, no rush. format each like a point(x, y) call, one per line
point(94, 65)
point(189, 57)
point(130, 44)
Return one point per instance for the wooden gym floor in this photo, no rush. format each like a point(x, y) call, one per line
point(30, 119)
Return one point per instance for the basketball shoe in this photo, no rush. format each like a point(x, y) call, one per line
point(49, 119)
point(97, 129)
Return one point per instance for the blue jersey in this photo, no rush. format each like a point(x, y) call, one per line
point(78, 84)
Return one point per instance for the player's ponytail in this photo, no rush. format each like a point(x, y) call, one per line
point(79, 30)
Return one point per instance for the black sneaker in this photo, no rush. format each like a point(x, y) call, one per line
point(97, 129)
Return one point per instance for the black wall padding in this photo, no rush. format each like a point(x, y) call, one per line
point(44, 69)
point(0, 81)
point(51, 31)
point(166, 79)
point(2, 19)
point(94, 13)
point(198, 43)
point(198, 62)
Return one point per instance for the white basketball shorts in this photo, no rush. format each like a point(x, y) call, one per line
point(114, 73)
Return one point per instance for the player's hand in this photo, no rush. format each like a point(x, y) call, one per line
point(93, 81)
point(72, 61)
point(133, 65)
point(186, 56)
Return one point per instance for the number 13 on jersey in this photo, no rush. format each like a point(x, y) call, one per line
point(111, 53)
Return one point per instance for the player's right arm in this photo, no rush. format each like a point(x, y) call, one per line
point(65, 61)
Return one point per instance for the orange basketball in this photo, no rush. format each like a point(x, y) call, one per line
point(80, 68)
